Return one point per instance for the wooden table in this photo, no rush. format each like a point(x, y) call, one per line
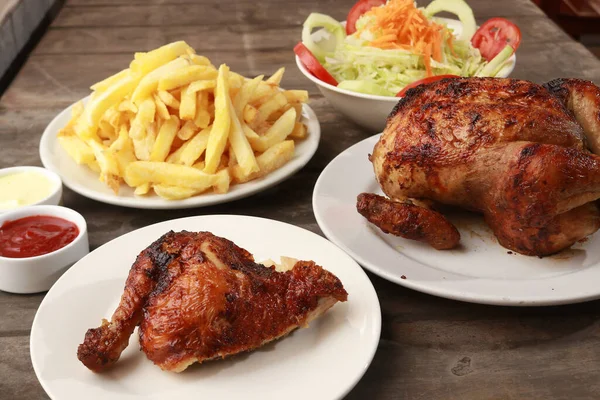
point(430, 348)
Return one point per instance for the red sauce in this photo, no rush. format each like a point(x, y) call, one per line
point(35, 235)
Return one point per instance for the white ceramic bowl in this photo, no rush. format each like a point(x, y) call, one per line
point(38, 274)
point(370, 111)
point(55, 195)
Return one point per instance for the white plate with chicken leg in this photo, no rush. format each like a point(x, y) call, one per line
point(534, 182)
point(195, 296)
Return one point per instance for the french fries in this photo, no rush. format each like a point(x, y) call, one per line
point(174, 125)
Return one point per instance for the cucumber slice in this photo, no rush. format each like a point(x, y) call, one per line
point(495, 65)
point(316, 20)
point(461, 9)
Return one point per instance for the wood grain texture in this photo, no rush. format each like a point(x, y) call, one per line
point(430, 348)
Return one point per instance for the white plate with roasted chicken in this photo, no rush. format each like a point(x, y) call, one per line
point(178, 310)
point(481, 190)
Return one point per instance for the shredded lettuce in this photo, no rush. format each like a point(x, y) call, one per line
point(392, 70)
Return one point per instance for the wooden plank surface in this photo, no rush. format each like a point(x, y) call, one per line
point(430, 348)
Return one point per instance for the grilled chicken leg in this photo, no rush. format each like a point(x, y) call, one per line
point(197, 297)
point(517, 152)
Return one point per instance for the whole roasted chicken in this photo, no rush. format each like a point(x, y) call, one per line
point(523, 155)
point(197, 297)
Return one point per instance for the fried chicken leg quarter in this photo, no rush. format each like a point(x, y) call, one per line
point(197, 297)
point(523, 155)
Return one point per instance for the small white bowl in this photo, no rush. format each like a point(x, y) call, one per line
point(370, 111)
point(55, 195)
point(38, 274)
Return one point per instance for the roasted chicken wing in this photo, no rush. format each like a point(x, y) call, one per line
point(197, 297)
point(521, 154)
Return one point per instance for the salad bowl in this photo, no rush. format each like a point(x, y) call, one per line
point(371, 111)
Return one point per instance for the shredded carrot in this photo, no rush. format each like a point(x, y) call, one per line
point(402, 26)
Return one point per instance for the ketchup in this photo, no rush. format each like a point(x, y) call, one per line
point(35, 235)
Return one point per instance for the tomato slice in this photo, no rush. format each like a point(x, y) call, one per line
point(313, 65)
point(361, 7)
point(493, 35)
point(423, 81)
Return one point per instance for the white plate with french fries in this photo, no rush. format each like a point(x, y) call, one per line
point(172, 131)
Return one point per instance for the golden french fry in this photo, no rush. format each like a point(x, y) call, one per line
point(244, 95)
point(298, 108)
point(144, 117)
point(175, 157)
point(143, 189)
point(195, 146)
point(122, 139)
point(146, 62)
point(143, 147)
point(299, 131)
point(249, 132)
point(76, 112)
point(220, 129)
point(174, 192)
point(160, 173)
point(111, 80)
point(164, 139)
point(127, 105)
point(239, 144)
point(125, 156)
point(106, 130)
point(199, 60)
point(296, 96)
point(250, 113)
point(223, 180)
point(268, 161)
point(109, 167)
point(187, 130)
point(168, 99)
point(187, 107)
point(161, 108)
point(270, 106)
point(264, 91)
point(149, 83)
point(202, 118)
point(114, 117)
point(275, 79)
point(276, 133)
point(77, 149)
point(186, 75)
point(277, 114)
point(202, 85)
point(235, 81)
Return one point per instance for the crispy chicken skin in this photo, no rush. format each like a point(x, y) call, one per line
point(517, 152)
point(196, 297)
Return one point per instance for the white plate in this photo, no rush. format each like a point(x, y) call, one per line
point(84, 181)
point(323, 361)
point(480, 271)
